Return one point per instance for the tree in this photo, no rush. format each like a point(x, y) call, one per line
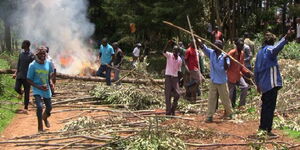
point(7, 7)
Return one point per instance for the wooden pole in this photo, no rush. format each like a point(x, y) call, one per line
point(203, 39)
point(95, 79)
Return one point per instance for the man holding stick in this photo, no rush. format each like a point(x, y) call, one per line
point(268, 78)
point(235, 72)
point(219, 63)
point(192, 68)
point(171, 79)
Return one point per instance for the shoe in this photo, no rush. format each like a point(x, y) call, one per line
point(45, 116)
point(271, 135)
point(208, 120)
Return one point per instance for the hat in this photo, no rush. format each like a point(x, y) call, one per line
point(139, 44)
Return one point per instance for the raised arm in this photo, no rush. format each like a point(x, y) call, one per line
point(279, 45)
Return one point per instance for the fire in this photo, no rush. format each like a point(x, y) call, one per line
point(88, 69)
point(65, 61)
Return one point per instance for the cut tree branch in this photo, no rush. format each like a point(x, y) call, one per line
point(90, 78)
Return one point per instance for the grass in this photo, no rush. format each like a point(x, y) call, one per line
point(291, 133)
point(7, 111)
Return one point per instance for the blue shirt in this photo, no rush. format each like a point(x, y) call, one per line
point(266, 70)
point(39, 74)
point(218, 73)
point(106, 52)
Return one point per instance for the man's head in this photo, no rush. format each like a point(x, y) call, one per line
point(239, 43)
point(180, 43)
point(246, 35)
point(269, 38)
point(175, 49)
point(216, 28)
point(104, 41)
point(25, 44)
point(139, 45)
point(219, 44)
point(41, 54)
point(115, 45)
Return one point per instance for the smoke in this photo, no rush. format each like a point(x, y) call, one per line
point(63, 26)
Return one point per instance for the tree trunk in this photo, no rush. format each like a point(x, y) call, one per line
point(284, 8)
point(89, 78)
point(7, 37)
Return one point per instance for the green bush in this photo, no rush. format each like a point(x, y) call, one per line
point(291, 51)
point(156, 64)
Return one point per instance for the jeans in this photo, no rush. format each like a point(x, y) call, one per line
point(244, 90)
point(107, 70)
point(26, 86)
point(39, 106)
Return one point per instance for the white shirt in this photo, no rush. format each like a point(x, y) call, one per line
point(173, 65)
point(136, 52)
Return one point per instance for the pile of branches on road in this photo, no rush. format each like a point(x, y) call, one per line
point(135, 98)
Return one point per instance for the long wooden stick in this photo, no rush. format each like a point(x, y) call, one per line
point(195, 45)
point(99, 138)
point(203, 39)
point(73, 100)
point(69, 144)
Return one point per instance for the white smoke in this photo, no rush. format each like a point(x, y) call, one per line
point(62, 25)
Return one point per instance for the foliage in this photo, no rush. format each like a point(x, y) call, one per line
point(157, 64)
point(7, 95)
point(151, 138)
point(131, 96)
point(281, 123)
point(81, 123)
point(291, 51)
point(10, 58)
point(183, 130)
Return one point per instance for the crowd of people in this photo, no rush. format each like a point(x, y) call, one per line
point(184, 68)
point(227, 71)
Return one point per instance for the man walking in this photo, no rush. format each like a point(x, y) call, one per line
point(117, 61)
point(136, 53)
point(268, 78)
point(106, 53)
point(38, 76)
point(171, 79)
point(25, 58)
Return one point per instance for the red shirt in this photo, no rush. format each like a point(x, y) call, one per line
point(191, 59)
point(235, 70)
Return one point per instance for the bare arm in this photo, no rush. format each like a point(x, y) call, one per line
point(41, 87)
